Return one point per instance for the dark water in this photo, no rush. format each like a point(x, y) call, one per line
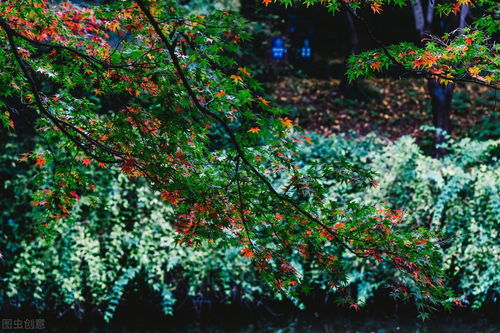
point(335, 324)
point(343, 326)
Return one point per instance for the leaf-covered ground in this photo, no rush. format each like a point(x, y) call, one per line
point(390, 107)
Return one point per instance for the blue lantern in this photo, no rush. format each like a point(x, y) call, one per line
point(278, 49)
point(305, 51)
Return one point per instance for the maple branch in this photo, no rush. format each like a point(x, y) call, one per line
point(59, 123)
point(270, 223)
point(227, 129)
point(418, 72)
point(243, 218)
point(80, 54)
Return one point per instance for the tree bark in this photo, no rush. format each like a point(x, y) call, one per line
point(441, 98)
point(430, 13)
point(353, 34)
point(418, 15)
point(464, 12)
point(441, 95)
point(351, 89)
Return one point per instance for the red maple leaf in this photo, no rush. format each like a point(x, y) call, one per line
point(128, 165)
point(247, 253)
point(376, 65)
point(172, 197)
point(75, 195)
point(40, 161)
point(376, 8)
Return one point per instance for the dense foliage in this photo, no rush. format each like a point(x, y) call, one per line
point(128, 241)
point(457, 195)
point(157, 93)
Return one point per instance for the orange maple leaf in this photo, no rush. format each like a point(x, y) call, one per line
point(244, 71)
point(40, 161)
point(254, 130)
point(113, 26)
point(24, 157)
point(266, 2)
point(430, 59)
point(86, 161)
point(474, 71)
point(376, 65)
point(307, 139)
point(339, 225)
point(376, 8)
point(436, 71)
point(236, 78)
point(417, 63)
point(220, 94)
point(266, 103)
point(247, 253)
point(286, 122)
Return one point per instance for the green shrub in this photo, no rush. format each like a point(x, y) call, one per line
point(457, 195)
point(126, 237)
point(122, 233)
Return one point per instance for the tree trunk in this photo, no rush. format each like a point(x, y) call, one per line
point(351, 90)
point(353, 34)
point(441, 97)
point(418, 15)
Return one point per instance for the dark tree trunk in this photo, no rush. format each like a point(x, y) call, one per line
point(353, 34)
point(348, 89)
point(441, 97)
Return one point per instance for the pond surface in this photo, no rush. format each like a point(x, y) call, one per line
point(337, 324)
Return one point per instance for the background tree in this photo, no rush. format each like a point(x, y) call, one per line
point(441, 94)
point(433, 21)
